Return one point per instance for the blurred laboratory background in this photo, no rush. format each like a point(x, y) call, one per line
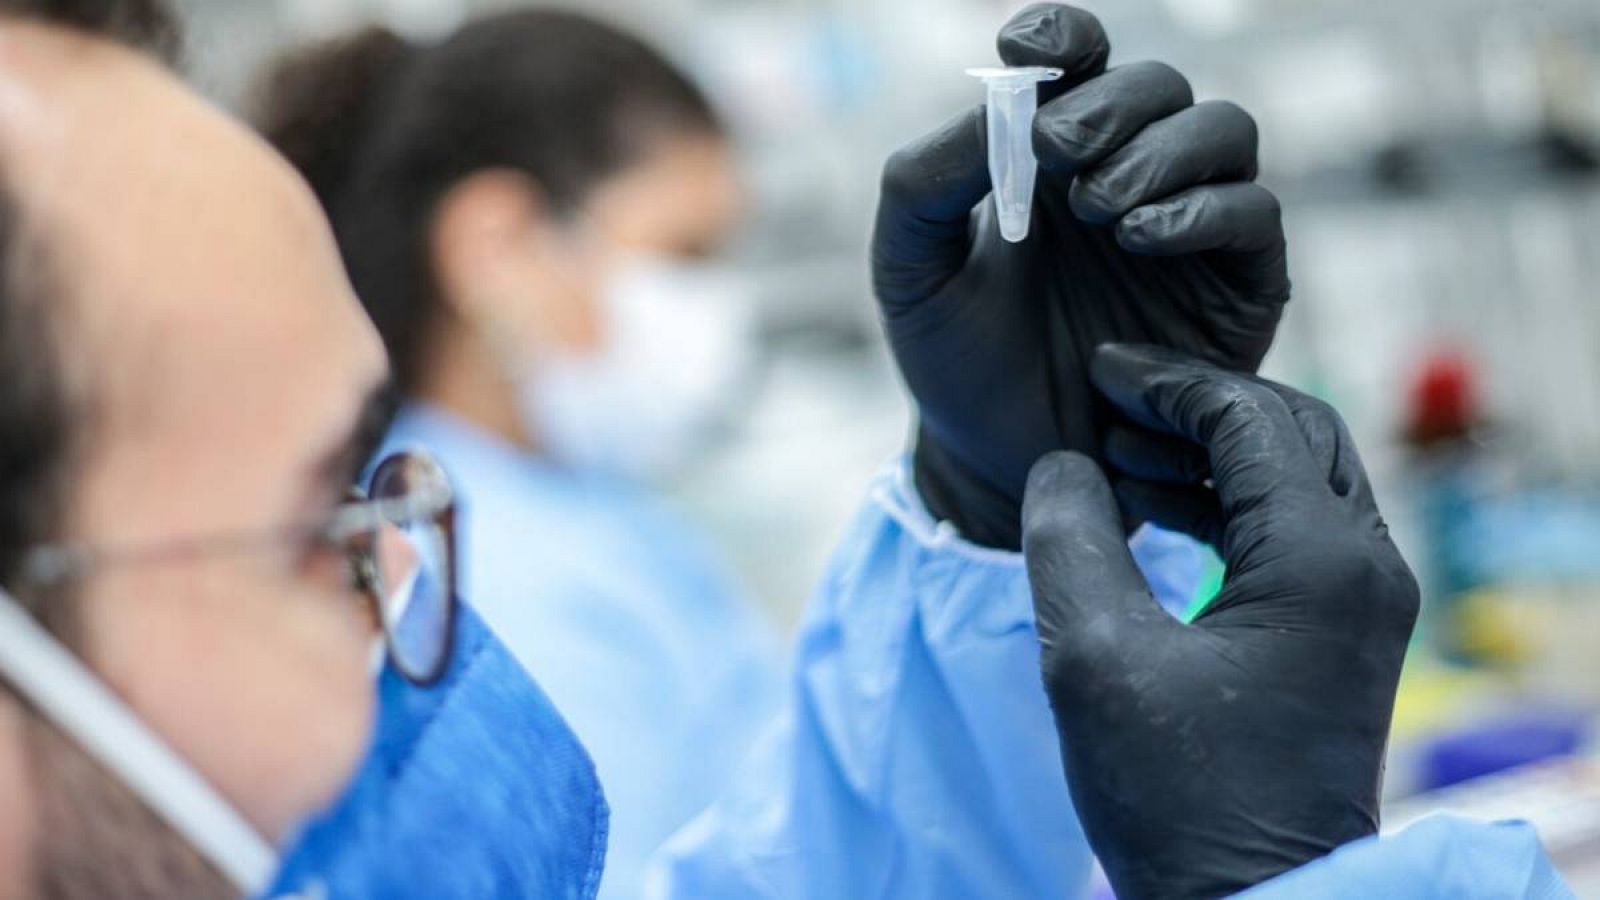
point(1439, 162)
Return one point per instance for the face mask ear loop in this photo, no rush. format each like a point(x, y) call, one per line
point(37, 666)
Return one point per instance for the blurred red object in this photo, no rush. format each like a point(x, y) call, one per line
point(1444, 401)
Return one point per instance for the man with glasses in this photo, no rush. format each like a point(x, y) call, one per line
point(170, 461)
point(193, 593)
point(187, 396)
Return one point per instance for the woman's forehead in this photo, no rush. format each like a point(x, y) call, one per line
point(684, 192)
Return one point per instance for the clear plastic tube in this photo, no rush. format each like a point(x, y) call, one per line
point(1013, 100)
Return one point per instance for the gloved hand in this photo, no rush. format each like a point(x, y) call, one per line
point(1206, 758)
point(1146, 228)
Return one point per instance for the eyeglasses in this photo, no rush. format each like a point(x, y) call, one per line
point(397, 537)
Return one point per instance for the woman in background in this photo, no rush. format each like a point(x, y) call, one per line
point(527, 210)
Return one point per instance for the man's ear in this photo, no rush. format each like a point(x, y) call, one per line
point(484, 234)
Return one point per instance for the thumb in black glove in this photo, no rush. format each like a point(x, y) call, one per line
point(1209, 757)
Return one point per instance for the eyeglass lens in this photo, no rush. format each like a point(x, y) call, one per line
point(413, 572)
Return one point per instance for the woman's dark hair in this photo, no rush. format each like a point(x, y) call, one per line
point(383, 129)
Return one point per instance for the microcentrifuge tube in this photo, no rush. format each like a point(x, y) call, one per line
point(1013, 100)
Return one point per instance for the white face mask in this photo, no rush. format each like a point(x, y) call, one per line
point(677, 345)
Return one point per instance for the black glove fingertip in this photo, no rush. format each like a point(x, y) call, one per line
point(1059, 474)
point(1068, 499)
point(1094, 201)
point(1122, 373)
point(1058, 36)
point(1142, 230)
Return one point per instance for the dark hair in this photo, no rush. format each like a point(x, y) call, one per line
point(384, 129)
point(36, 423)
point(147, 25)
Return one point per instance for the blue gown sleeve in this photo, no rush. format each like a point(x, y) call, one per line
point(1439, 858)
point(917, 756)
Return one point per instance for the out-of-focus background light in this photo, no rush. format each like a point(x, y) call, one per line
point(1439, 162)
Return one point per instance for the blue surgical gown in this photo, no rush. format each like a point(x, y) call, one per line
point(917, 756)
point(624, 617)
point(914, 753)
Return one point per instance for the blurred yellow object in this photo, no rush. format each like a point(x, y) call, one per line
point(1518, 639)
point(1433, 698)
point(1493, 627)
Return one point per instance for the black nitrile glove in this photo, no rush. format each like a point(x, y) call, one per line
point(1146, 228)
point(1206, 758)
